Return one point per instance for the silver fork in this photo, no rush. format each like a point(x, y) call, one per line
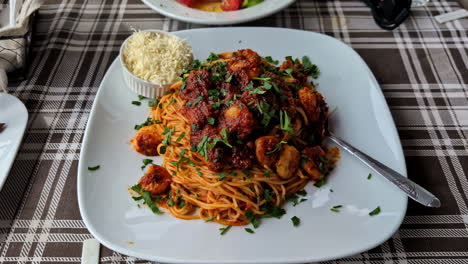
point(412, 189)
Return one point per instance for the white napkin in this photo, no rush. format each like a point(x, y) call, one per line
point(12, 55)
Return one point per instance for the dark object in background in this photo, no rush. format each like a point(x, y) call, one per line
point(389, 14)
point(2, 126)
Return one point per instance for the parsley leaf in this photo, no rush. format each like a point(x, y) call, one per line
point(94, 168)
point(295, 220)
point(212, 57)
point(369, 176)
point(199, 98)
point(210, 219)
point(136, 102)
point(182, 135)
point(277, 147)
point(336, 208)
point(136, 188)
point(269, 58)
point(248, 230)
point(149, 201)
point(285, 122)
point(319, 183)
point(252, 219)
point(211, 121)
point(376, 211)
point(224, 229)
point(310, 68)
point(146, 162)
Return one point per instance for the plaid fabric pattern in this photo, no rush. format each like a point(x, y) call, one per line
point(422, 68)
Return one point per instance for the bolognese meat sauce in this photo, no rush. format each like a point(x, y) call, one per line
point(237, 98)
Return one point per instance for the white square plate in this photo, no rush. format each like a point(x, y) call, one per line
point(362, 117)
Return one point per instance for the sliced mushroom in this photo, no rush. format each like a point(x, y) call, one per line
point(288, 162)
point(263, 146)
point(313, 154)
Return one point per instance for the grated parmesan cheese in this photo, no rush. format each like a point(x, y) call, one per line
point(156, 57)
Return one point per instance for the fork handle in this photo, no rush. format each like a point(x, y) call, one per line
point(413, 190)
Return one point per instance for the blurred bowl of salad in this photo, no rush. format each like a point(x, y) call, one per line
point(217, 12)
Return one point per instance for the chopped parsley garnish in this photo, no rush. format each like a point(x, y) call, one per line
point(263, 108)
point(229, 79)
point(285, 122)
point(216, 105)
point(181, 136)
point(288, 72)
point(188, 104)
point(248, 230)
point(331, 190)
point(195, 65)
point(246, 173)
point(252, 219)
point(376, 211)
point(181, 159)
point(262, 78)
point(171, 101)
point(212, 57)
point(267, 173)
point(136, 188)
point(199, 98)
point(221, 176)
point(224, 229)
point(270, 60)
point(153, 102)
point(149, 201)
point(194, 127)
point(94, 168)
point(277, 147)
point(295, 199)
point(147, 123)
point(267, 195)
point(249, 86)
point(273, 211)
point(369, 176)
point(310, 68)
point(319, 183)
point(141, 97)
point(224, 139)
point(288, 58)
point(210, 219)
point(211, 121)
point(336, 208)
point(146, 162)
point(136, 102)
point(295, 220)
point(302, 192)
point(168, 133)
point(170, 202)
point(202, 147)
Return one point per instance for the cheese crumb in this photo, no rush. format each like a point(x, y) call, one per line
point(156, 57)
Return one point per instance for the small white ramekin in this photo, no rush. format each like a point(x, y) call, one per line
point(139, 86)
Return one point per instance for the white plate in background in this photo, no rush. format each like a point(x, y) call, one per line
point(176, 10)
point(362, 118)
point(15, 116)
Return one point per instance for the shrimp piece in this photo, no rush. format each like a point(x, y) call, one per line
point(156, 180)
point(146, 140)
point(263, 146)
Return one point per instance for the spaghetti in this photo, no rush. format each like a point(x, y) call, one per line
point(231, 195)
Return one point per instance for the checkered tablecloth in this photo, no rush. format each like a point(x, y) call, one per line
point(422, 68)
